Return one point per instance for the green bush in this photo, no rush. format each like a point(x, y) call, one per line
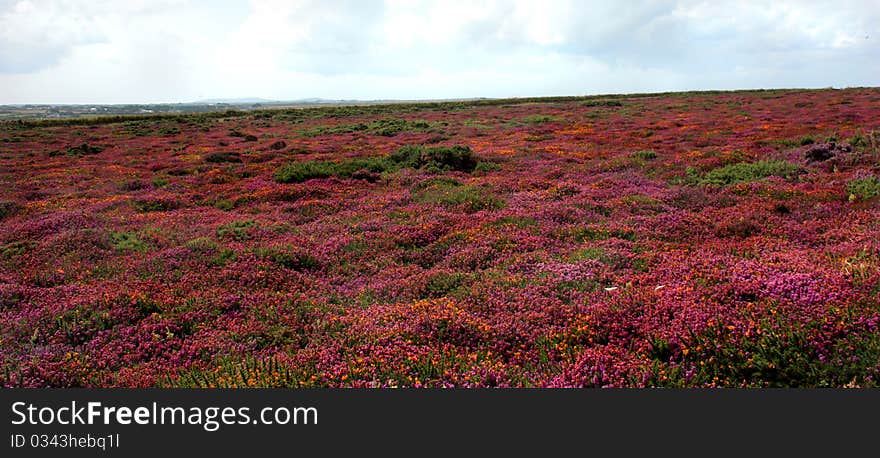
point(745, 172)
point(386, 127)
point(793, 142)
point(540, 119)
point(78, 151)
point(291, 259)
point(468, 197)
point(223, 156)
point(863, 188)
point(155, 204)
point(202, 245)
point(486, 166)
point(603, 103)
point(222, 257)
point(782, 354)
point(14, 249)
point(443, 283)
point(645, 155)
point(444, 158)
point(9, 208)
point(432, 158)
point(298, 172)
point(160, 181)
point(127, 241)
point(249, 372)
point(238, 230)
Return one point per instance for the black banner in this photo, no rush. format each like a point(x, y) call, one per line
point(455, 422)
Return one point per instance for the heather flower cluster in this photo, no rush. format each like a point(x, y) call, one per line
point(693, 240)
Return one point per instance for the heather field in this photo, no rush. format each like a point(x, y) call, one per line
point(676, 240)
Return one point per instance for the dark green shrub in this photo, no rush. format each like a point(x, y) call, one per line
point(222, 257)
point(291, 259)
point(17, 248)
point(223, 204)
point(467, 197)
point(127, 241)
point(445, 158)
point(8, 208)
point(431, 158)
point(297, 172)
point(540, 119)
point(202, 245)
point(159, 181)
point(437, 182)
point(782, 354)
point(386, 127)
point(237, 230)
point(443, 283)
point(78, 151)
point(249, 372)
point(155, 204)
point(486, 166)
point(745, 172)
point(863, 188)
point(218, 157)
point(603, 103)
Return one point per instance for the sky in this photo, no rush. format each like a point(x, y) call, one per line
point(153, 51)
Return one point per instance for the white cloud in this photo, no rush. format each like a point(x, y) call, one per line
point(103, 51)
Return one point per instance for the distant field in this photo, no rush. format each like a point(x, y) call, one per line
point(694, 239)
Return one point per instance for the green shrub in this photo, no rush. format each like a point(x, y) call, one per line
point(468, 197)
point(515, 221)
point(127, 241)
point(223, 257)
point(17, 248)
point(386, 127)
point(745, 172)
point(8, 208)
point(223, 156)
point(781, 354)
point(224, 204)
point(202, 245)
point(298, 172)
point(78, 151)
point(431, 158)
point(863, 188)
point(486, 166)
point(540, 119)
point(291, 259)
point(437, 182)
point(155, 204)
point(249, 372)
point(160, 181)
point(443, 283)
point(591, 252)
point(603, 103)
point(445, 158)
point(237, 230)
point(645, 155)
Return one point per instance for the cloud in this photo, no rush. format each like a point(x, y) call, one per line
point(35, 35)
point(175, 50)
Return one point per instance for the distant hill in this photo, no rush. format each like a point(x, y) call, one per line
point(234, 101)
